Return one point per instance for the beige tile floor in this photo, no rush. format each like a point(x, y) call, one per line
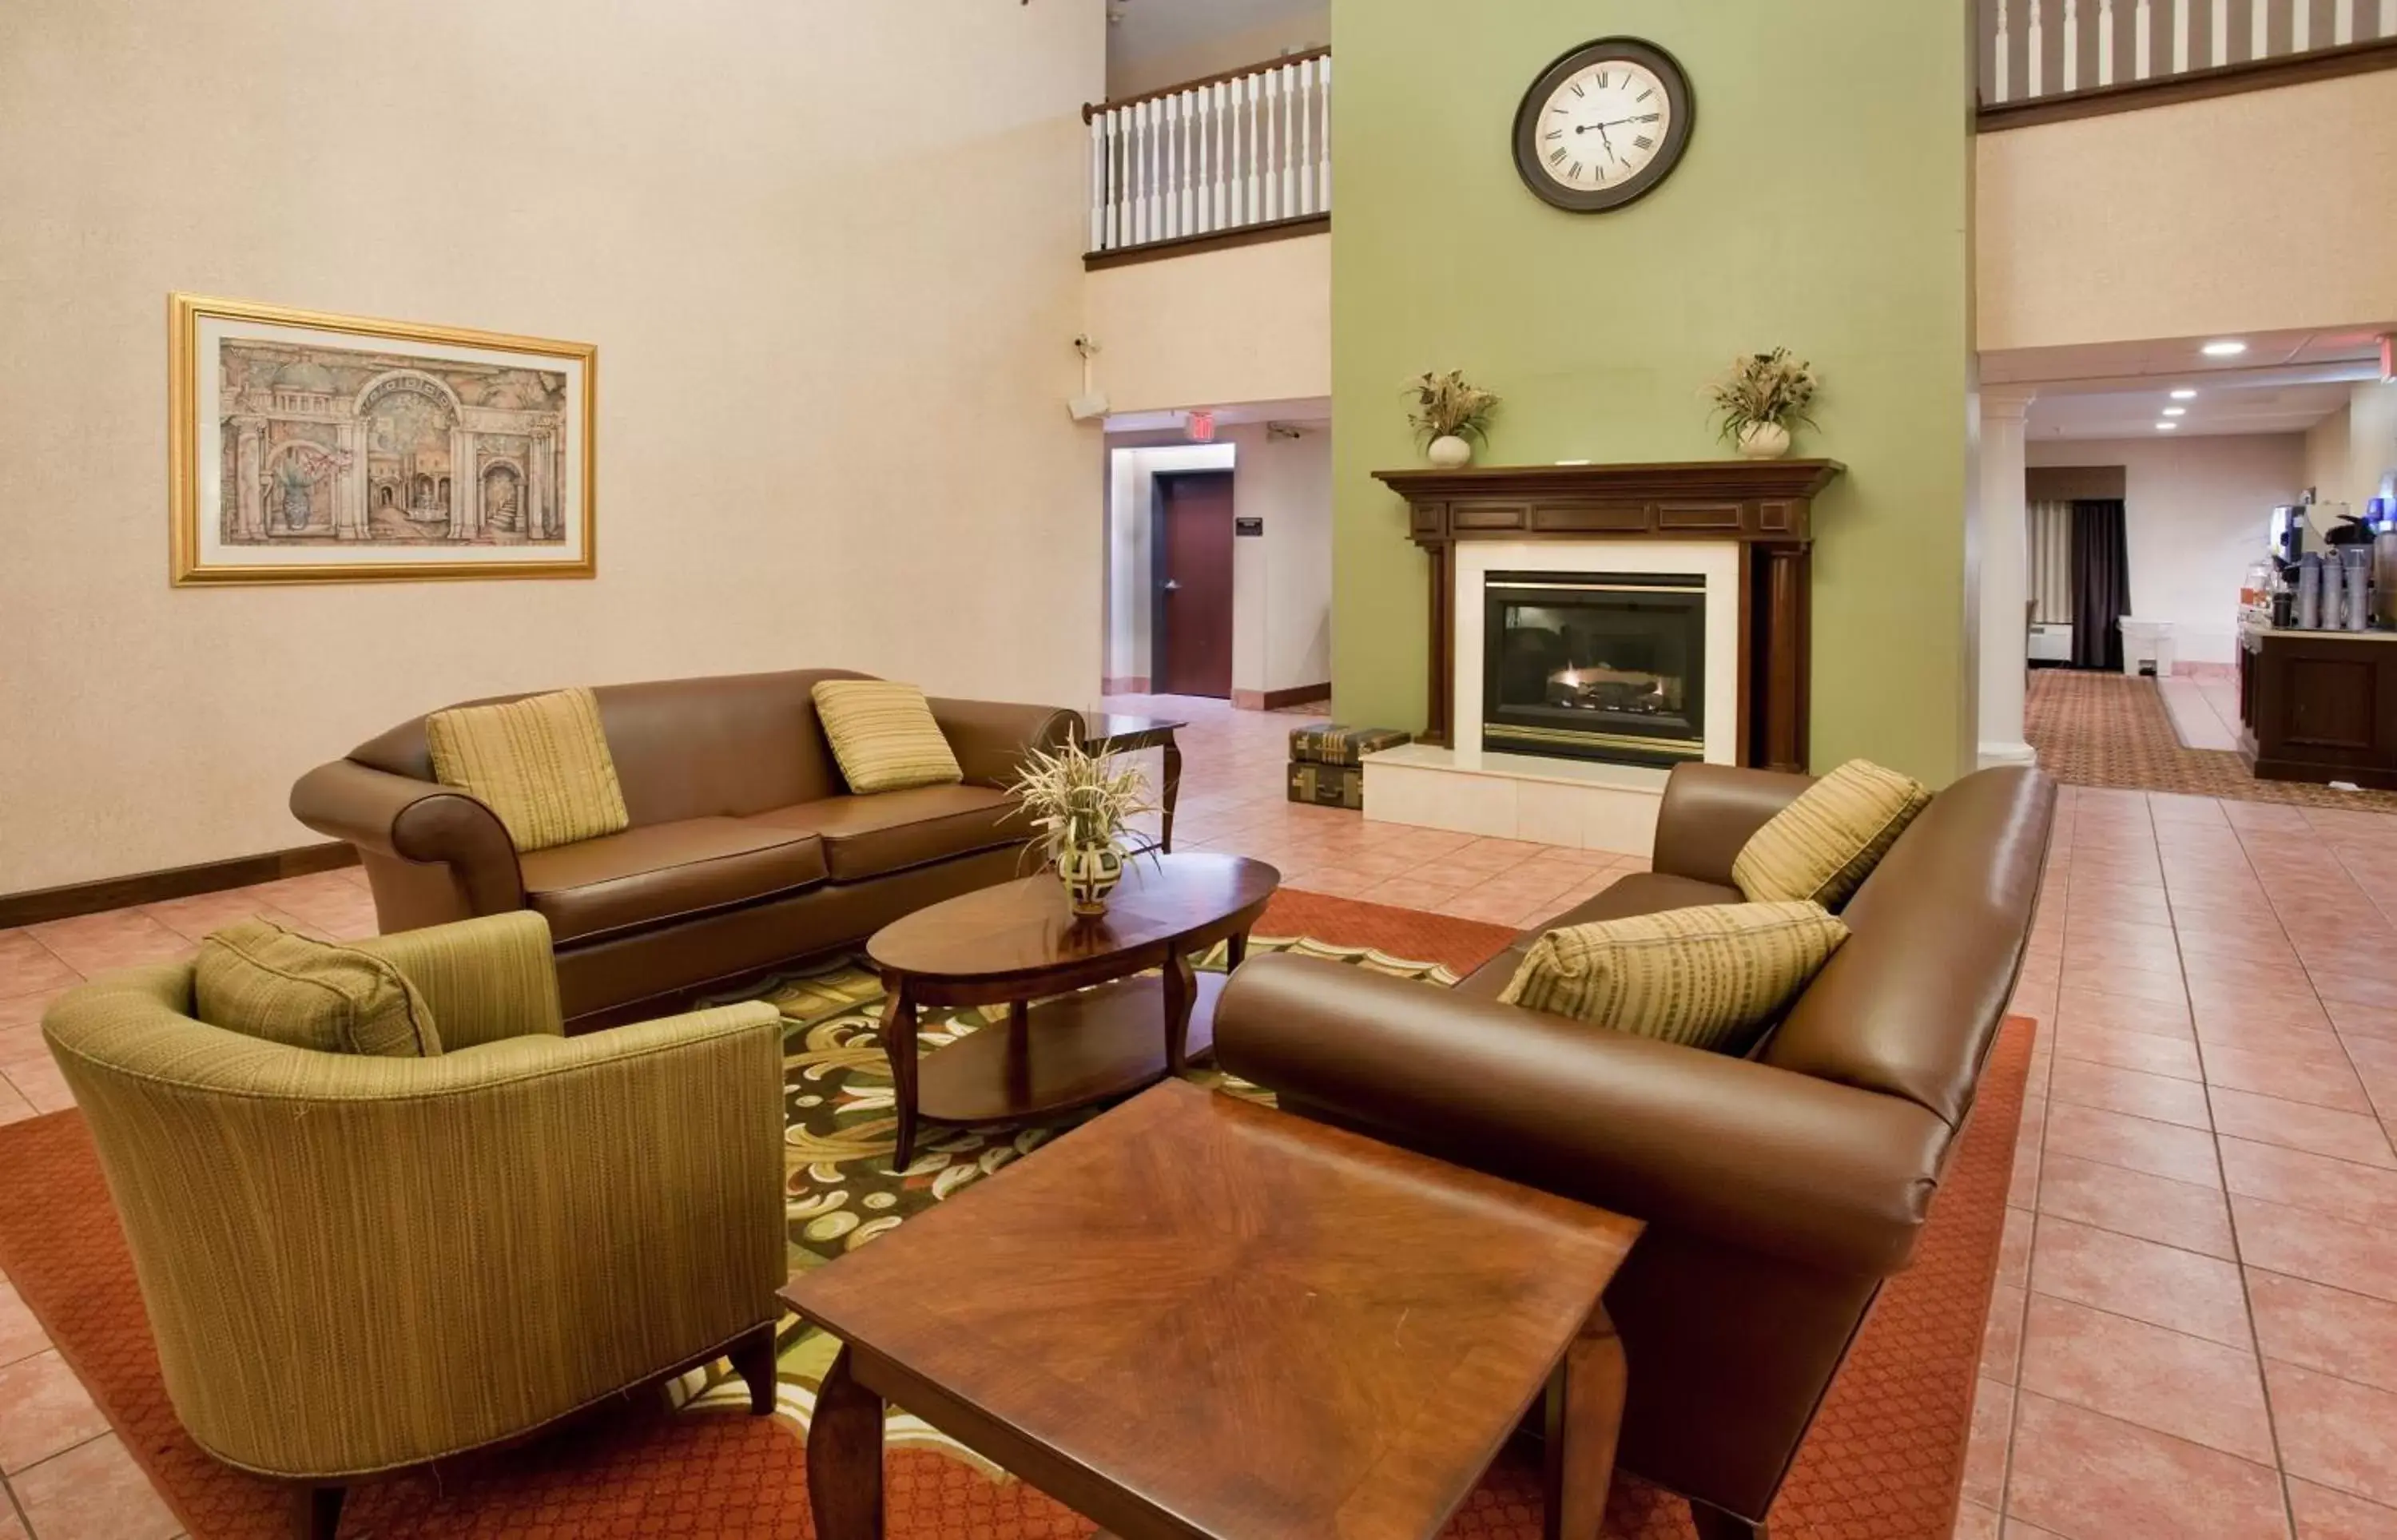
point(2194, 1329)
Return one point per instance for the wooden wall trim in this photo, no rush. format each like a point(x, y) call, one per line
point(1297, 695)
point(2196, 86)
point(1221, 240)
point(151, 887)
point(2067, 483)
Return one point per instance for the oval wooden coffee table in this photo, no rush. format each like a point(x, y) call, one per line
point(1098, 1032)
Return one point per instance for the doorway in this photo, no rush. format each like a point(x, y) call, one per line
point(1191, 621)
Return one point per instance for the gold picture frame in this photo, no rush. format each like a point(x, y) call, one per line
point(309, 448)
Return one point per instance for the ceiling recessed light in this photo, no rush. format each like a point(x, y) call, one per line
point(2184, 394)
point(2225, 349)
point(2175, 411)
point(2167, 427)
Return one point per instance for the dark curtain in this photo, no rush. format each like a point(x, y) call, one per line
point(2101, 583)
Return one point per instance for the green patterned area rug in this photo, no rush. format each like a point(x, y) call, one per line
point(841, 1132)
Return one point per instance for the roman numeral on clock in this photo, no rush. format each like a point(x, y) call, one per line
point(1643, 142)
point(1555, 157)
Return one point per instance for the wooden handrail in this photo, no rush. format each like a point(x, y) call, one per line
point(1093, 109)
point(2254, 75)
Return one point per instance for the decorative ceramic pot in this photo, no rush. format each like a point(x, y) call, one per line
point(1448, 452)
point(1090, 873)
point(1764, 441)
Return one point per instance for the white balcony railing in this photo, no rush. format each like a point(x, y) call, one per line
point(2034, 49)
point(1235, 151)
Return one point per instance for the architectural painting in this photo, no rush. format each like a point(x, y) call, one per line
point(316, 453)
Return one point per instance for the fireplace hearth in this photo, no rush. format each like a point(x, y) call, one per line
point(1605, 666)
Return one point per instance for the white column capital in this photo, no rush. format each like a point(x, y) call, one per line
point(2010, 401)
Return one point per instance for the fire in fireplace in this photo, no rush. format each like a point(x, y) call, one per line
point(1595, 665)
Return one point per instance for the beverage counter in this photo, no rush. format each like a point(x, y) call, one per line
point(2319, 705)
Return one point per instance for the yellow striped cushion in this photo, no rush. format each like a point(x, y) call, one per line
point(1824, 844)
point(541, 764)
point(1706, 977)
point(884, 735)
point(263, 981)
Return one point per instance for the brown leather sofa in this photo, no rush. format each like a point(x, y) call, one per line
point(1780, 1189)
point(745, 848)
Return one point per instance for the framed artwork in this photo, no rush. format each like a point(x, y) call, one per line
point(311, 448)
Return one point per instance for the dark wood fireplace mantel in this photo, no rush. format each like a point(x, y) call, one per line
point(1767, 506)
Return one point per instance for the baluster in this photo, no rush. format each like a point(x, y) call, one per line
point(1294, 78)
point(2221, 38)
point(2259, 28)
point(1272, 81)
point(2143, 53)
point(2071, 46)
point(1304, 171)
point(1220, 129)
point(2105, 42)
point(2034, 51)
point(1202, 218)
point(2388, 17)
point(2002, 64)
point(1098, 181)
point(2342, 22)
point(2301, 24)
point(1128, 176)
point(2180, 37)
point(1176, 190)
point(1323, 135)
point(1149, 225)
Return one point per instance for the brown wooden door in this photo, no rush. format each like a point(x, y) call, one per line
point(1193, 632)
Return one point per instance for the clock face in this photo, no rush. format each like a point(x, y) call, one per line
point(1603, 124)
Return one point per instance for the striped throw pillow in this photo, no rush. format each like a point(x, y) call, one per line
point(263, 981)
point(1707, 977)
point(884, 735)
point(541, 764)
point(1824, 844)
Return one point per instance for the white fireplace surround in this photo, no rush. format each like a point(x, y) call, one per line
point(1583, 804)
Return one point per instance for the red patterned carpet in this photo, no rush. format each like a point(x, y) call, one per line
point(1883, 1462)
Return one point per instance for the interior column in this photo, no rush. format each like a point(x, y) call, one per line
point(2004, 576)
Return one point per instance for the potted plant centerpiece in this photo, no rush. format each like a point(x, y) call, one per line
point(1449, 414)
point(1760, 397)
point(1083, 805)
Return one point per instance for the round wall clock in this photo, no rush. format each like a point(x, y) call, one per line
point(1603, 124)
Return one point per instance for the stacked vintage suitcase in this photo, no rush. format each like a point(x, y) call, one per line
point(1324, 756)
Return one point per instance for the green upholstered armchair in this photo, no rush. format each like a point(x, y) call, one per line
point(353, 1264)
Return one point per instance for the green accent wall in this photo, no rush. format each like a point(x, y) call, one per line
point(1823, 206)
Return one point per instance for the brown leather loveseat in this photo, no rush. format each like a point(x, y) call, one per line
point(1779, 1189)
point(745, 849)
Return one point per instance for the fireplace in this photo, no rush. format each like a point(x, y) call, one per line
point(1595, 665)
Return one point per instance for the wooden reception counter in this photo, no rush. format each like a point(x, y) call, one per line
point(2320, 706)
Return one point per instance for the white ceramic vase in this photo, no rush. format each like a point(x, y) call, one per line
point(1764, 441)
point(1090, 873)
point(1448, 452)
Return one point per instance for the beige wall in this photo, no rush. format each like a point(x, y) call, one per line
point(2268, 210)
point(792, 287)
point(2349, 451)
point(1282, 579)
point(1249, 324)
point(1227, 51)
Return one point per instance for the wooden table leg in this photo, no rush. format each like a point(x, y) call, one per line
point(1181, 993)
point(1236, 950)
point(845, 1457)
point(1019, 1049)
point(1171, 791)
point(1584, 1412)
point(899, 1043)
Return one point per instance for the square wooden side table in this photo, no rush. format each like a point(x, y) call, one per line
point(1196, 1317)
point(1113, 733)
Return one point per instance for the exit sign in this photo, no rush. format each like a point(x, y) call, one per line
point(1201, 426)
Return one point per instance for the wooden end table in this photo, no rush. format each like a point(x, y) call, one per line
point(1113, 733)
point(1196, 1317)
point(1105, 1033)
